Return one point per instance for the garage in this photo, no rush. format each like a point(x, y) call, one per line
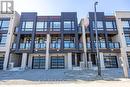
point(129, 61)
point(38, 63)
point(110, 61)
point(57, 62)
point(1, 62)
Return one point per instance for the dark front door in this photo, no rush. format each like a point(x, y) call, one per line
point(1, 62)
point(38, 63)
point(57, 62)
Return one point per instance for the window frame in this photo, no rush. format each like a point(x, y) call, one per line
point(25, 28)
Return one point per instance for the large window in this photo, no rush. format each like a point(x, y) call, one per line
point(69, 25)
point(27, 26)
point(3, 39)
point(110, 61)
point(41, 26)
point(55, 26)
point(4, 24)
point(110, 25)
point(126, 25)
point(127, 38)
point(99, 25)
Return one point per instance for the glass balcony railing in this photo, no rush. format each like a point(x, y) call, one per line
point(40, 45)
point(100, 45)
point(25, 45)
point(114, 45)
point(87, 45)
point(69, 45)
point(55, 45)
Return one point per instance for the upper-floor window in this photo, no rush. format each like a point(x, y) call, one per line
point(27, 26)
point(126, 24)
point(4, 24)
point(3, 38)
point(99, 25)
point(41, 26)
point(68, 25)
point(55, 26)
point(127, 38)
point(110, 25)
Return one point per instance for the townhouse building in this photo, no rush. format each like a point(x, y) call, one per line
point(57, 42)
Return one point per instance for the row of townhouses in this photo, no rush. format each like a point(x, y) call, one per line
point(29, 41)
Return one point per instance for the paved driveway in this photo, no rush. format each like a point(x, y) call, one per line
point(43, 76)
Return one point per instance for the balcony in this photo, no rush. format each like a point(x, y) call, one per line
point(40, 45)
point(69, 45)
point(114, 45)
point(25, 46)
point(101, 45)
point(55, 45)
point(87, 45)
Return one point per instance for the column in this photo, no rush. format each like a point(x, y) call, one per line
point(101, 60)
point(84, 45)
point(47, 52)
point(89, 62)
point(69, 61)
point(75, 59)
point(6, 58)
point(24, 61)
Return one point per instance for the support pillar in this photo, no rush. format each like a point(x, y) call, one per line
point(6, 59)
point(89, 62)
point(101, 60)
point(47, 52)
point(24, 61)
point(69, 61)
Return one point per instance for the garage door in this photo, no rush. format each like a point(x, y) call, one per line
point(57, 62)
point(38, 63)
point(129, 61)
point(1, 62)
point(110, 61)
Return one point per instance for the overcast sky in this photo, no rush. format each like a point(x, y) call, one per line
point(82, 7)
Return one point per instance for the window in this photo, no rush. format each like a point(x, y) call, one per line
point(55, 26)
point(41, 26)
point(4, 24)
point(127, 38)
point(126, 24)
point(3, 39)
point(27, 26)
point(109, 25)
point(68, 25)
point(99, 25)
